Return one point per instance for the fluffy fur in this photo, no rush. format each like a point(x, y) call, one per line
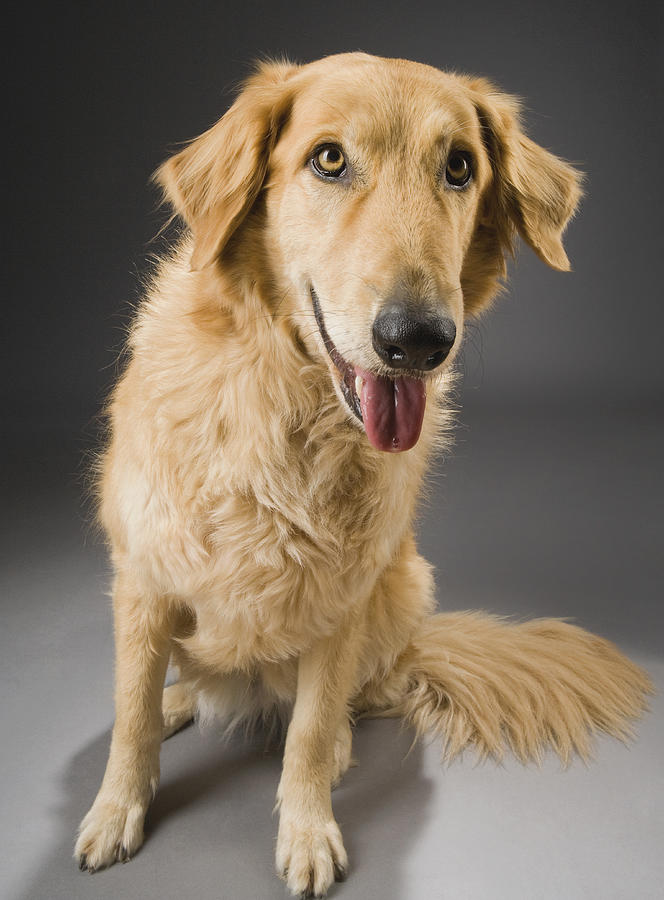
point(258, 539)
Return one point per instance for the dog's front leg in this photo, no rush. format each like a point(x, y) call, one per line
point(310, 851)
point(113, 828)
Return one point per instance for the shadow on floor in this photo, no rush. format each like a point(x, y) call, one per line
point(211, 833)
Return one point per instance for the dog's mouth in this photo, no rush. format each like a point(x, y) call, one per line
point(391, 409)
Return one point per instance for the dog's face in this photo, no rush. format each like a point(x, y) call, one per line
point(388, 193)
point(376, 183)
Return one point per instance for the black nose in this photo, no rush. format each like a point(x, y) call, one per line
point(408, 338)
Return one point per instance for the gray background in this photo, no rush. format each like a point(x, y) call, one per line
point(550, 504)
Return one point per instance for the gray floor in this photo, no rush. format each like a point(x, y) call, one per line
point(555, 513)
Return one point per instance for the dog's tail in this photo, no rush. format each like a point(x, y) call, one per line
point(476, 679)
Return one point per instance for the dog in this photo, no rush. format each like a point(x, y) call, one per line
point(288, 380)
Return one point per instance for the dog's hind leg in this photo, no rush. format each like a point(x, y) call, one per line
point(179, 701)
point(178, 706)
point(342, 752)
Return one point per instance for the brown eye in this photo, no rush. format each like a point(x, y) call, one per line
point(329, 161)
point(458, 170)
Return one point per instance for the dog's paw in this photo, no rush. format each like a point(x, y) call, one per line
point(310, 858)
point(109, 833)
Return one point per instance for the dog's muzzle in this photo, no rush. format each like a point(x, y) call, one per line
point(391, 408)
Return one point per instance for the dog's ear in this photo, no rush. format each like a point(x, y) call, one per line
point(533, 190)
point(213, 183)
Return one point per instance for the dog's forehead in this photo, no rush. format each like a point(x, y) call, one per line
point(382, 102)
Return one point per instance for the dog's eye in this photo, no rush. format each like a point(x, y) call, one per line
point(329, 161)
point(458, 170)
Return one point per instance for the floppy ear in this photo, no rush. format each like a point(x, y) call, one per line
point(533, 191)
point(213, 183)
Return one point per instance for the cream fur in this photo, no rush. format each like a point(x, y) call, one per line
point(257, 537)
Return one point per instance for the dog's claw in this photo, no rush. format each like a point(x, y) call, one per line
point(84, 866)
point(340, 872)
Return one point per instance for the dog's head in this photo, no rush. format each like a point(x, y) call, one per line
point(383, 196)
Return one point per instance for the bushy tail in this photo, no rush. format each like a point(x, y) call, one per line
point(475, 679)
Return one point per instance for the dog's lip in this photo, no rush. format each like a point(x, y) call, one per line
point(345, 369)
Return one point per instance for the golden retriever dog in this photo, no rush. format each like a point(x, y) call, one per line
point(286, 387)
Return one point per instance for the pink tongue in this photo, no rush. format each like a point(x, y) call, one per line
point(392, 410)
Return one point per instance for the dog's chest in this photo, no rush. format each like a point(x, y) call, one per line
point(287, 559)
